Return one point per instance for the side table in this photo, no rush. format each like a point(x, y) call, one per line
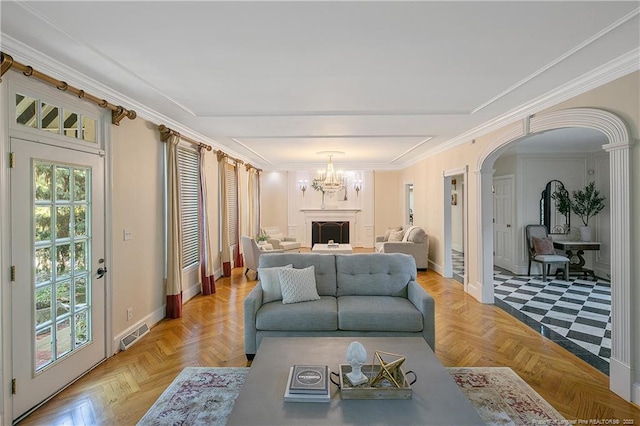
point(579, 247)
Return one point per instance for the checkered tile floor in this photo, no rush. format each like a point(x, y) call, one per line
point(576, 313)
point(458, 265)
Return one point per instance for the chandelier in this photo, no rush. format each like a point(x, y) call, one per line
point(330, 181)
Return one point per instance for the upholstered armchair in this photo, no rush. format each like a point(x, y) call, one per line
point(412, 240)
point(276, 238)
point(252, 252)
point(541, 250)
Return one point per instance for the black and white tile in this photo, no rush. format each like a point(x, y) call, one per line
point(576, 313)
point(458, 265)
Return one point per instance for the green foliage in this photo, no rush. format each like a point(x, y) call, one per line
point(563, 202)
point(587, 202)
point(262, 236)
point(316, 184)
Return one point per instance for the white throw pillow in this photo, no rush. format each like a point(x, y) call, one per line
point(279, 236)
point(270, 283)
point(298, 285)
point(396, 236)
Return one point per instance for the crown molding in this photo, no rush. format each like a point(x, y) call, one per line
point(43, 63)
point(619, 67)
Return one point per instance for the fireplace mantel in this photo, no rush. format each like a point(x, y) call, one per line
point(336, 214)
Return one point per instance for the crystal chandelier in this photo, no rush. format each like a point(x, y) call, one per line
point(331, 181)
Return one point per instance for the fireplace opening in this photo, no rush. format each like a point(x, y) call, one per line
point(322, 232)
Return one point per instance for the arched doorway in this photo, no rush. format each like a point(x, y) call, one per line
point(618, 147)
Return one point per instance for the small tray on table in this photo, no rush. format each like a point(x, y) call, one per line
point(383, 389)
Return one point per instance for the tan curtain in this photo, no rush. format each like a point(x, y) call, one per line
point(225, 254)
point(206, 252)
point(174, 236)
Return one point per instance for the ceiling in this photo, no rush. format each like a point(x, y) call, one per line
point(387, 83)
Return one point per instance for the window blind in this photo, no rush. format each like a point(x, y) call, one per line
point(189, 193)
point(232, 204)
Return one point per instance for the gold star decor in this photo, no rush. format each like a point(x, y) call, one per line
point(389, 370)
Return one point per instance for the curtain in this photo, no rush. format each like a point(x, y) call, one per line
point(206, 253)
point(238, 260)
point(251, 195)
point(174, 237)
point(225, 254)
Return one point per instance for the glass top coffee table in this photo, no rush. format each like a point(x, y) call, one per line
point(324, 248)
point(436, 399)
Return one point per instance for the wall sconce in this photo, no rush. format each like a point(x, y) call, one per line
point(303, 185)
point(357, 185)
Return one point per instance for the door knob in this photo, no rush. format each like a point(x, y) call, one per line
point(508, 225)
point(101, 271)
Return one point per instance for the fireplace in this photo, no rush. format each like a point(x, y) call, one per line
point(322, 232)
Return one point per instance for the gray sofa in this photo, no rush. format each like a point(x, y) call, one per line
point(360, 295)
point(415, 242)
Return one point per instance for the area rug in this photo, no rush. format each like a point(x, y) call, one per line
point(205, 396)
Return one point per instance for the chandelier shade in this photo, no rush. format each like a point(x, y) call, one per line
point(331, 181)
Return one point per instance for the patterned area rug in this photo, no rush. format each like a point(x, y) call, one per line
point(205, 396)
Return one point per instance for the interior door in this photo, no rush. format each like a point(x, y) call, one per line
point(57, 251)
point(503, 218)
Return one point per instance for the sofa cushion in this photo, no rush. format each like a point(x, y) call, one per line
point(407, 232)
point(298, 285)
point(378, 313)
point(396, 236)
point(374, 274)
point(325, 268)
point(316, 315)
point(290, 245)
point(389, 230)
point(270, 282)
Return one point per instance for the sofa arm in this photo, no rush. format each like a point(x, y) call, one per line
point(425, 304)
point(289, 239)
point(380, 239)
point(275, 243)
point(252, 303)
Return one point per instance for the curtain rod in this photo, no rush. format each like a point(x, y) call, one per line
point(249, 166)
point(224, 154)
point(117, 112)
point(165, 132)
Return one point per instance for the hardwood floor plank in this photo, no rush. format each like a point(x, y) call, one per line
point(468, 333)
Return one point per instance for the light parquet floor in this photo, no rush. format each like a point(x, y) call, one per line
point(120, 390)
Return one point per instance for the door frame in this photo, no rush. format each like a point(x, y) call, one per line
point(619, 147)
point(10, 81)
point(447, 266)
point(512, 196)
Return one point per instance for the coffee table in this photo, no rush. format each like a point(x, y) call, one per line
point(436, 398)
point(324, 248)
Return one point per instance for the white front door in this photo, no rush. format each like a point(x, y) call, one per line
point(57, 250)
point(503, 218)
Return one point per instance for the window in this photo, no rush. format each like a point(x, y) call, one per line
point(232, 204)
point(189, 195)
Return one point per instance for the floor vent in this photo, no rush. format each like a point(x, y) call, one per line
point(133, 337)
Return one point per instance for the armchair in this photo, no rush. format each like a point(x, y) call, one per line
point(276, 238)
point(252, 253)
point(412, 240)
point(540, 249)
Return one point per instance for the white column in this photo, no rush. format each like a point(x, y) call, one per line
point(621, 371)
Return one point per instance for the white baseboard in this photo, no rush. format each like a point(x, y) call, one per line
point(436, 267)
point(151, 320)
point(620, 380)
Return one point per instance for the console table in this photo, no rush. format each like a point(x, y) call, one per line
point(579, 247)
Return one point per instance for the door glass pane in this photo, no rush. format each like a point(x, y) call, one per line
point(26, 111)
point(71, 124)
point(44, 347)
point(62, 247)
point(88, 129)
point(50, 118)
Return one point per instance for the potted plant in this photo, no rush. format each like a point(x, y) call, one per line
point(316, 185)
point(587, 203)
point(262, 238)
point(563, 205)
